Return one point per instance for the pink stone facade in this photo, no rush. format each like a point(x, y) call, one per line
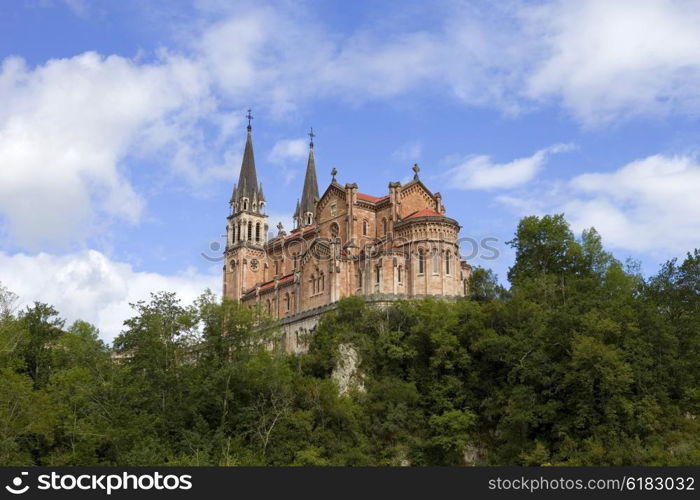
point(398, 245)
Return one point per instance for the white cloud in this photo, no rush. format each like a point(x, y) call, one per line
point(408, 152)
point(600, 60)
point(66, 128)
point(606, 60)
point(649, 205)
point(480, 172)
point(73, 126)
point(89, 286)
point(286, 150)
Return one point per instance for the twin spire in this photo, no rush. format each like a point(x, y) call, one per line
point(305, 213)
point(248, 193)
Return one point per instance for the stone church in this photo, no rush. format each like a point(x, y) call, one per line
point(344, 242)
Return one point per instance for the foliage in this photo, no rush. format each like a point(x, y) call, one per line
point(580, 362)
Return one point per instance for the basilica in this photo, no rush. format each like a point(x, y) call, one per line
point(344, 242)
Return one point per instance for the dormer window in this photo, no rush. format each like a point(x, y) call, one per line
point(245, 204)
point(309, 218)
point(254, 206)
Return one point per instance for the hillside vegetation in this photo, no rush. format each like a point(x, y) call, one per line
point(581, 362)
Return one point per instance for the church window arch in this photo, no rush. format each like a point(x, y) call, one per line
point(257, 232)
point(448, 259)
point(384, 225)
point(436, 261)
point(250, 231)
point(365, 227)
point(245, 203)
point(398, 274)
point(287, 302)
point(421, 261)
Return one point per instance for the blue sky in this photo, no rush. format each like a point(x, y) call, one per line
point(122, 127)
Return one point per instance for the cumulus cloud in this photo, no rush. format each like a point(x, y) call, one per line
point(481, 172)
point(75, 126)
point(89, 286)
point(649, 205)
point(602, 61)
point(66, 128)
point(286, 150)
point(608, 60)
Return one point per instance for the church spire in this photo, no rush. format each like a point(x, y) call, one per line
point(248, 191)
point(306, 210)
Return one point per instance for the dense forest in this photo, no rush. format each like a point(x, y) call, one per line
point(582, 361)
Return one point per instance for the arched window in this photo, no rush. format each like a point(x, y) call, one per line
point(421, 261)
point(335, 229)
point(287, 302)
point(365, 228)
point(277, 267)
point(398, 273)
point(269, 307)
point(313, 284)
point(377, 274)
point(238, 233)
point(384, 225)
point(448, 257)
point(436, 261)
point(322, 280)
point(250, 230)
point(245, 203)
point(257, 232)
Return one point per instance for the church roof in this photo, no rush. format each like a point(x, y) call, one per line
point(370, 198)
point(426, 212)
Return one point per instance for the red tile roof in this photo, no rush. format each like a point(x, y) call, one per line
point(368, 197)
point(423, 213)
point(271, 283)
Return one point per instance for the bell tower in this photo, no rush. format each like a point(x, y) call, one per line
point(246, 230)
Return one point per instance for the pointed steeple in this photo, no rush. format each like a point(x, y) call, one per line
point(309, 194)
point(248, 186)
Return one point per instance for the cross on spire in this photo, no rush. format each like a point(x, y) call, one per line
point(250, 117)
point(312, 135)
